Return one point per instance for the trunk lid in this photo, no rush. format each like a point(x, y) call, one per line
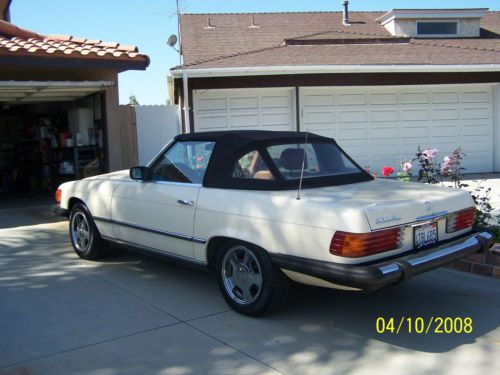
point(388, 203)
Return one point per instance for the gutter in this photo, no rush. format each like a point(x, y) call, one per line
point(318, 69)
point(187, 120)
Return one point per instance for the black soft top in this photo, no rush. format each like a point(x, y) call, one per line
point(231, 145)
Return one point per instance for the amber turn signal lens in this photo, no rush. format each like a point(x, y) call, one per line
point(58, 195)
point(460, 220)
point(355, 245)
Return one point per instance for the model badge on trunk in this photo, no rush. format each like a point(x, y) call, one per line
point(387, 219)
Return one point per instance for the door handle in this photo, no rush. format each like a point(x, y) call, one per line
point(185, 202)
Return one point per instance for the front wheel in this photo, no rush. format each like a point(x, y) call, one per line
point(85, 237)
point(249, 282)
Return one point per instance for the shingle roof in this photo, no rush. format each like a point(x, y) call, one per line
point(274, 39)
point(15, 41)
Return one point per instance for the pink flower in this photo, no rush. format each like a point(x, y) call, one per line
point(430, 153)
point(406, 166)
point(387, 171)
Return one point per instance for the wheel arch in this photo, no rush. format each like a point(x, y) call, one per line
point(74, 200)
point(215, 243)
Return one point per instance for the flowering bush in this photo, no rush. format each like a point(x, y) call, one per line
point(451, 167)
point(387, 171)
point(427, 164)
point(404, 172)
point(432, 172)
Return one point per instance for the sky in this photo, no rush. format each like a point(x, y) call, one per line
point(148, 24)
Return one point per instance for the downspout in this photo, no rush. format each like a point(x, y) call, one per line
point(186, 101)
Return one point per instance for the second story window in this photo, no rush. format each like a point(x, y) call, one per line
point(439, 28)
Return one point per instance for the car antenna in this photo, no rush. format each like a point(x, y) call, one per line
point(302, 170)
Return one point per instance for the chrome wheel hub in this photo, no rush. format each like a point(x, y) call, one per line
point(241, 275)
point(80, 231)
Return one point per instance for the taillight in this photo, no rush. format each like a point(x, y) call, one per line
point(354, 245)
point(460, 220)
point(58, 195)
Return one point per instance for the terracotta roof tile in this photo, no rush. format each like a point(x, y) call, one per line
point(324, 40)
point(16, 40)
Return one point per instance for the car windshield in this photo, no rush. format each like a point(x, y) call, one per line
point(317, 159)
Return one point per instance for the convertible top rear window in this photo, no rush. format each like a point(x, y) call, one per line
point(317, 160)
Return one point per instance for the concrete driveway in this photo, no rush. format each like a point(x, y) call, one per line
point(130, 314)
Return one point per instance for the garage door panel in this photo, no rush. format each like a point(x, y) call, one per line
point(399, 119)
point(477, 97)
point(414, 98)
point(352, 132)
point(319, 100)
point(476, 113)
point(415, 130)
point(445, 131)
point(445, 114)
point(248, 120)
point(275, 101)
point(445, 97)
point(351, 99)
point(476, 129)
point(384, 99)
point(212, 104)
point(387, 115)
point(212, 122)
point(275, 119)
point(243, 103)
point(385, 132)
point(352, 116)
point(415, 115)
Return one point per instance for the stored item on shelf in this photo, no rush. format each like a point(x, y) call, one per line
point(81, 120)
point(62, 138)
point(79, 139)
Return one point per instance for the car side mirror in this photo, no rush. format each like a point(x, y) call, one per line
point(138, 173)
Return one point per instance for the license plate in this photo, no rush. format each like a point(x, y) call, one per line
point(426, 235)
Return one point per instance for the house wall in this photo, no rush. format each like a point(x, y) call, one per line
point(115, 148)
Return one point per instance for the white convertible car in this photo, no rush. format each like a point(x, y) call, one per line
point(261, 208)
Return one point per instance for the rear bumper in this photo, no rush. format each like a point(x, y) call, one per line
point(376, 276)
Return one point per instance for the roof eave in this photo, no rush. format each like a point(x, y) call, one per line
point(85, 63)
point(177, 72)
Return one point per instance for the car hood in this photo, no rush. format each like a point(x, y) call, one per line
point(118, 175)
point(388, 203)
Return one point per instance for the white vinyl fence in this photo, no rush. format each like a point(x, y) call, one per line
point(156, 125)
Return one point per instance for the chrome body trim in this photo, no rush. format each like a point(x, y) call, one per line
point(155, 231)
point(432, 216)
point(156, 251)
point(389, 268)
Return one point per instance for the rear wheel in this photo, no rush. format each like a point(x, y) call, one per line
point(85, 237)
point(249, 282)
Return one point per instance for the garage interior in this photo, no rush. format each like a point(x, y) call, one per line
point(50, 132)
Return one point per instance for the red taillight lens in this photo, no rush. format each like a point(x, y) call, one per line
point(58, 195)
point(460, 220)
point(355, 245)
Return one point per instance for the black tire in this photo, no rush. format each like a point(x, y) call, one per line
point(85, 238)
point(248, 281)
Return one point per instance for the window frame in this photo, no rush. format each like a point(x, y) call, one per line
point(169, 146)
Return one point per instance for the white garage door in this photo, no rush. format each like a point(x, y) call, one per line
point(382, 126)
point(265, 109)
